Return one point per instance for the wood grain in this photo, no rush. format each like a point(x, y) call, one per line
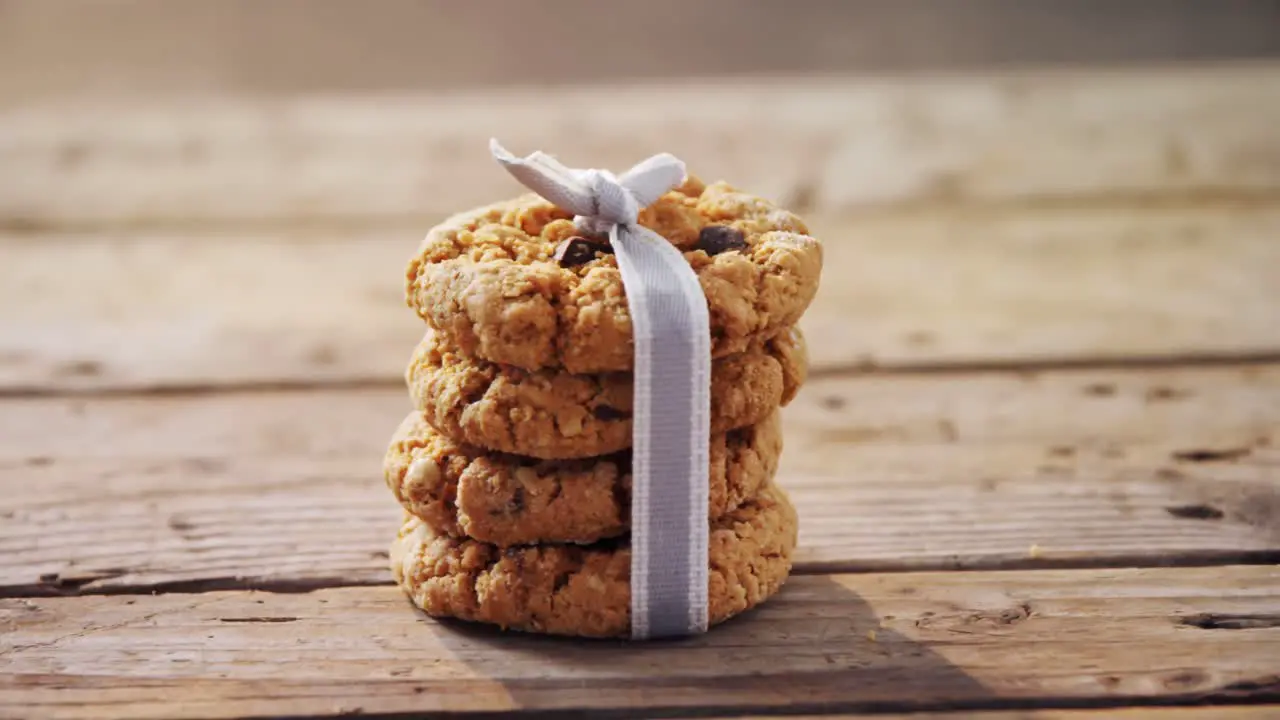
point(1197, 712)
point(144, 311)
point(998, 470)
point(137, 48)
point(842, 643)
point(833, 143)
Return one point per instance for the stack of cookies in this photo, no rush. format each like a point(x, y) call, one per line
point(514, 467)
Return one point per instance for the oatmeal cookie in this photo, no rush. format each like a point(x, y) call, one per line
point(554, 415)
point(505, 500)
point(515, 283)
point(585, 590)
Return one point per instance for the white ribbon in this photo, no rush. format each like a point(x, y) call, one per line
point(672, 368)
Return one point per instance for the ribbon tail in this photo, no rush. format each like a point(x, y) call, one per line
point(649, 179)
point(671, 427)
point(545, 176)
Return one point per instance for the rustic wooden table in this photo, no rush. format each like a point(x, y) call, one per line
point(1037, 465)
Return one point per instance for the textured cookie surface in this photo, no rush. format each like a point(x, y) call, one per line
point(503, 499)
point(509, 284)
point(554, 414)
point(585, 590)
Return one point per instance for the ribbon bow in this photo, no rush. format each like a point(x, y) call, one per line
point(671, 422)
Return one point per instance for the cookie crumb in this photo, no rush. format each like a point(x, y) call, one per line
point(1033, 552)
point(423, 471)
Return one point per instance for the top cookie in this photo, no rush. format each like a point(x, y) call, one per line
point(515, 283)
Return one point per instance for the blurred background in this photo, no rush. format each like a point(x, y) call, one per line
point(51, 50)
point(1049, 238)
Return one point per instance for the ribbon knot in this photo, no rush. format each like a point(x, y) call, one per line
point(614, 203)
point(598, 199)
point(671, 418)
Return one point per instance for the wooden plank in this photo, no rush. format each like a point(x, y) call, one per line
point(832, 142)
point(136, 48)
point(1004, 470)
point(844, 643)
point(1198, 712)
point(1026, 469)
point(144, 311)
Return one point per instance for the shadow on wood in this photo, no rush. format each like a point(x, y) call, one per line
point(840, 659)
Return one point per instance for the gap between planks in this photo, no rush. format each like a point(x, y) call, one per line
point(859, 369)
point(830, 644)
point(1249, 711)
point(18, 230)
point(89, 584)
point(1081, 468)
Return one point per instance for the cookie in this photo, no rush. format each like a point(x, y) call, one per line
point(552, 414)
point(514, 282)
point(585, 590)
point(508, 500)
point(792, 353)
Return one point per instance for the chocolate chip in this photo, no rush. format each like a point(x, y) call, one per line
point(606, 413)
point(577, 250)
point(715, 239)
